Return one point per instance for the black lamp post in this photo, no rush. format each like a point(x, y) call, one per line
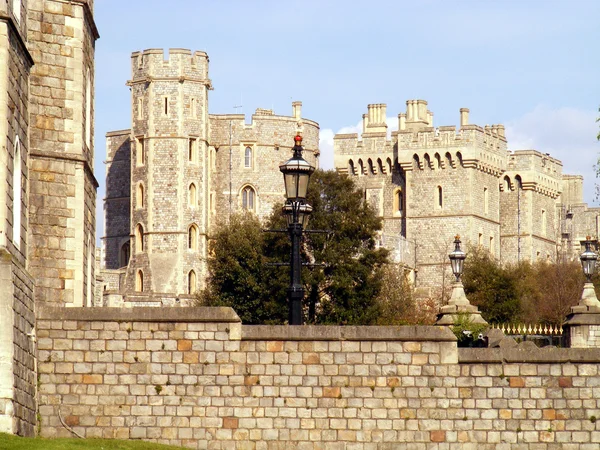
point(296, 175)
point(457, 259)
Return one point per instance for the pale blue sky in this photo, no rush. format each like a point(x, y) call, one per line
point(529, 64)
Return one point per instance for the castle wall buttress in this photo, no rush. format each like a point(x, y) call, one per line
point(63, 186)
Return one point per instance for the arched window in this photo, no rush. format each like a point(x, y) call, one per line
point(519, 182)
point(191, 282)
point(380, 165)
point(440, 197)
point(139, 199)
point(351, 170)
point(248, 198)
point(124, 254)
point(398, 202)
point(248, 157)
point(389, 165)
point(361, 168)
point(507, 184)
point(139, 238)
point(139, 281)
point(16, 7)
point(193, 237)
point(438, 161)
point(17, 194)
point(192, 198)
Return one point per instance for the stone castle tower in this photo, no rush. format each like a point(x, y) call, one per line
point(178, 171)
point(430, 184)
point(47, 184)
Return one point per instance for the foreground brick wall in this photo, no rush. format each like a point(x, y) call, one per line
point(196, 377)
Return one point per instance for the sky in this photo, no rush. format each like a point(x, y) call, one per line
point(531, 65)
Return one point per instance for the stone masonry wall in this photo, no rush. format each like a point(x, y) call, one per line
point(196, 377)
point(62, 212)
point(17, 349)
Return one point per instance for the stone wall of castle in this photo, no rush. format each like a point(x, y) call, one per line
point(430, 184)
point(62, 212)
point(117, 202)
point(198, 378)
point(270, 140)
point(17, 349)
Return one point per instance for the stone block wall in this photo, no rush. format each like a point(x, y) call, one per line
point(197, 377)
point(62, 185)
point(271, 138)
point(17, 349)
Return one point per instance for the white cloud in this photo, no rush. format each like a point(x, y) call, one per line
point(568, 134)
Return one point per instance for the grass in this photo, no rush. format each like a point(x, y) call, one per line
point(9, 442)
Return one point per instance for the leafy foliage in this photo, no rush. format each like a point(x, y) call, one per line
point(541, 292)
point(343, 291)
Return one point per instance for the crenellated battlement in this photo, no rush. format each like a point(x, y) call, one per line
point(535, 171)
point(177, 63)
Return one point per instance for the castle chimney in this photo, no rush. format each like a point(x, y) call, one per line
point(422, 110)
point(494, 129)
point(383, 113)
point(429, 119)
point(464, 116)
point(402, 121)
point(501, 131)
point(365, 122)
point(409, 111)
point(371, 113)
point(296, 110)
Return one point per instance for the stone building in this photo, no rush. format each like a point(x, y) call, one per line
point(47, 185)
point(430, 184)
point(177, 171)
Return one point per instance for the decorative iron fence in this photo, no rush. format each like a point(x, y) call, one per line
point(541, 334)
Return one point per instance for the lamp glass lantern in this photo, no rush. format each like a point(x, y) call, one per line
point(296, 173)
point(296, 212)
point(588, 259)
point(457, 259)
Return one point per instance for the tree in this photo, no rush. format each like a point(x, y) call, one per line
point(344, 291)
point(490, 287)
point(238, 273)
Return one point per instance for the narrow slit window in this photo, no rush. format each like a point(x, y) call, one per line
point(192, 151)
point(140, 152)
point(139, 281)
point(192, 237)
point(193, 107)
point(192, 196)
point(166, 101)
point(191, 282)
point(440, 197)
point(248, 157)
point(17, 194)
point(139, 238)
point(140, 108)
point(140, 196)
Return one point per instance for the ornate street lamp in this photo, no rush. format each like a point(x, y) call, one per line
point(588, 262)
point(458, 303)
point(297, 212)
point(296, 175)
point(457, 259)
point(588, 259)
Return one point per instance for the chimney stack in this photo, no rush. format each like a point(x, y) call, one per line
point(464, 116)
point(297, 110)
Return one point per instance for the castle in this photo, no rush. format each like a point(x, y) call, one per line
point(430, 184)
point(178, 170)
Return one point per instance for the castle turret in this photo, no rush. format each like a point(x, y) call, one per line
point(169, 174)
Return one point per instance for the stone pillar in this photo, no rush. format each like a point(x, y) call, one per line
point(464, 116)
point(582, 327)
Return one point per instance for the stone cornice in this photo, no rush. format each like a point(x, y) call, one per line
point(68, 157)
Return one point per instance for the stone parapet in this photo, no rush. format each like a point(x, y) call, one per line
point(171, 375)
